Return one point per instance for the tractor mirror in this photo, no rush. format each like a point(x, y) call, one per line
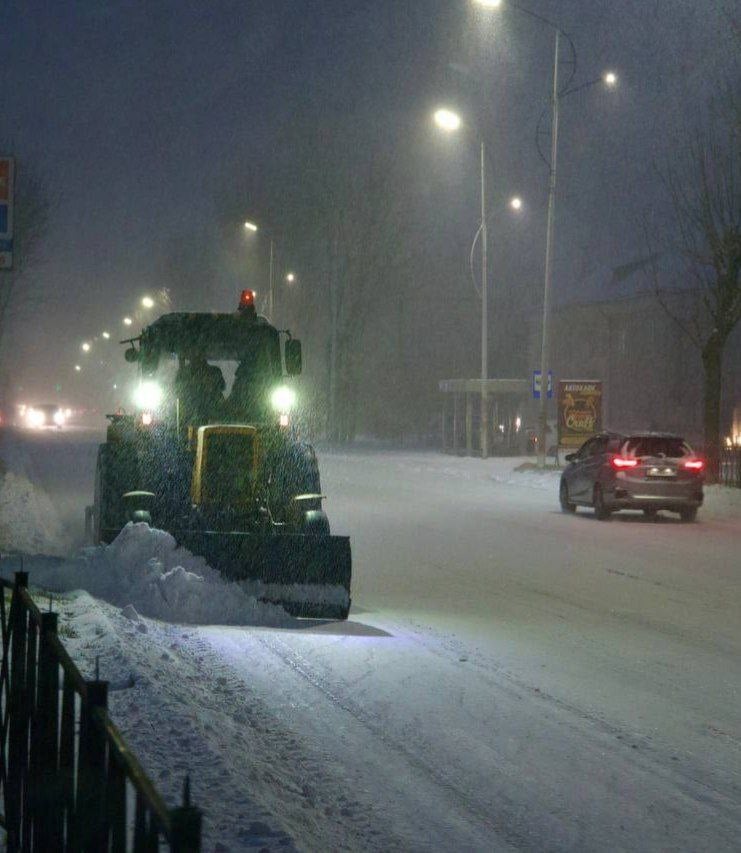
point(293, 357)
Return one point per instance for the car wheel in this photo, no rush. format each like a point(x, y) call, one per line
point(563, 497)
point(601, 511)
point(651, 513)
point(688, 513)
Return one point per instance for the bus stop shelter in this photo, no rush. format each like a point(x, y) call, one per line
point(509, 413)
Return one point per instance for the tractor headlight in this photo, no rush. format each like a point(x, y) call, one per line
point(148, 395)
point(283, 399)
point(59, 418)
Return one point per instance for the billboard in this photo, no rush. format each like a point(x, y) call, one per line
point(7, 174)
point(579, 410)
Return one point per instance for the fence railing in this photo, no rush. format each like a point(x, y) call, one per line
point(68, 780)
point(729, 468)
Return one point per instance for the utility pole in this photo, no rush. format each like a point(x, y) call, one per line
point(271, 284)
point(544, 346)
point(333, 311)
point(484, 315)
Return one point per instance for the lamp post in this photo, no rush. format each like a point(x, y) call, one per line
point(609, 79)
point(251, 226)
point(450, 121)
point(548, 274)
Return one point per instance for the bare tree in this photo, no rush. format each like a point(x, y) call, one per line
point(703, 185)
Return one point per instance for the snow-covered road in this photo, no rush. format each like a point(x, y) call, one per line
point(510, 677)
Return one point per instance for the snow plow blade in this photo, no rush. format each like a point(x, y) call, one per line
point(309, 576)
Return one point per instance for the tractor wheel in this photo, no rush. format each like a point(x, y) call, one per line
point(298, 474)
point(115, 474)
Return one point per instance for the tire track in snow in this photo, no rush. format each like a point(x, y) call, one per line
point(513, 832)
point(639, 748)
point(294, 784)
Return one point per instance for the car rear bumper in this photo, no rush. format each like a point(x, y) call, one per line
point(655, 495)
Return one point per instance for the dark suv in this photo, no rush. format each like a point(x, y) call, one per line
point(648, 471)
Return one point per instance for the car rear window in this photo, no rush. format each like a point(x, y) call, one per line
point(656, 445)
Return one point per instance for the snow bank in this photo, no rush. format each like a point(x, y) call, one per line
point(145, 568)
point(29, 521)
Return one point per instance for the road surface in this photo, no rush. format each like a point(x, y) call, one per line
point(511, 678)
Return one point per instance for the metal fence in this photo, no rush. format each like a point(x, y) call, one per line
point(730, 467)
point(68, 780)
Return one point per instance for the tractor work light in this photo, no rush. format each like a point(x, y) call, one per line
point(148, 395)
point(283, 399)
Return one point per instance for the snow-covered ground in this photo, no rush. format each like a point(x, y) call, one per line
point(510, 677)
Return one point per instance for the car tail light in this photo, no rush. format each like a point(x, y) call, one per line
point(694, 464)
point(619, 463)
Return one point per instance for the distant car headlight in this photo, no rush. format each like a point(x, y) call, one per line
point(59, 417)
point(35, 418)
point(148, 395)
point(283, 399)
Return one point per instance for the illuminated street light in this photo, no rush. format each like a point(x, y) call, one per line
point(447, 120)
point(609, 78)
point(127, 321)
point(78, 368)
point(85, 347)
point(147, 302)
point(290, 278)
point(515, 203)
point(250, 226)
point(106, 335)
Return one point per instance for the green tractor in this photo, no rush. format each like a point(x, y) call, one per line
point(223, 474)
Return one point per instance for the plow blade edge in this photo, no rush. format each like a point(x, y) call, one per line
point(308, 576)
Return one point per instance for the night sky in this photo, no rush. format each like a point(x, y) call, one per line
point(141, 115)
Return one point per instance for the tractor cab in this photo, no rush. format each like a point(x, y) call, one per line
point(198, 369)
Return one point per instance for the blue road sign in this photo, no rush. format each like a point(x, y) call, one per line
point(537, 384)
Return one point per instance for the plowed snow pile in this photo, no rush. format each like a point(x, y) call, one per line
point(146, 569)
point(29, 521)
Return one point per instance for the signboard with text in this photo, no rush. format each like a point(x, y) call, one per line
point(7, 175)
point(579, 410)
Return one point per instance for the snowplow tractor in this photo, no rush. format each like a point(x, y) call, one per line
point(221, 468)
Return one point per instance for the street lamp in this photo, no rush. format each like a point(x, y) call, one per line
point(147, 302)
point(85, 347)
point(515, 203)
point(106, 335)
point(127, 321)
point(450, 122)
point(291, 277)
point(609, 78)
point(251, 226)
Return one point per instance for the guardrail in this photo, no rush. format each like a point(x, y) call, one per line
point(68, 780)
